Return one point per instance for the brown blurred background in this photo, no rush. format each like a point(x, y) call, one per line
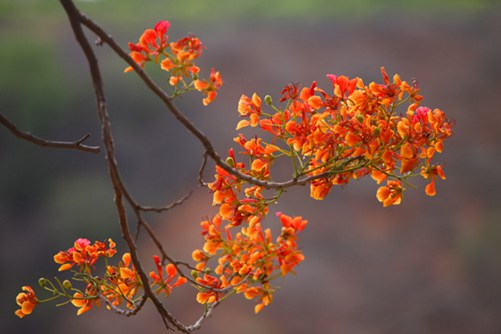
point(430, 265)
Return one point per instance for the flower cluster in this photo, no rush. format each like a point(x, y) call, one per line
point(84, 255)
point(356, 130)
point(331, 138)
point(177, 58)
point(247, 260)
point(118, 287)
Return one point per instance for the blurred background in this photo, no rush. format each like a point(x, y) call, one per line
point(430, 265)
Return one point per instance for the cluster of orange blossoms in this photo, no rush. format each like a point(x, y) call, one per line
point(118, 286)
point(247, 261)
point(177, 58)
point(353, 132)
point(331, 139)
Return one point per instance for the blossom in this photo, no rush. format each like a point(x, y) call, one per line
point(250, 107)
point(431, 173)
point(27, 301)
point(150, 46)
point(84, 254)
point(167, 284)
point(87, 300)
point(391, 194)
point(125, 282)
point(209, 292)
point(209, 88)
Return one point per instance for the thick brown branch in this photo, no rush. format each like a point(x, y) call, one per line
point(75, 145)
point(75, 18)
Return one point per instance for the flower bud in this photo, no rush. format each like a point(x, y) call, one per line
point(268, 100)
point(194, 274)
point(42, 282)
point(67, 285)
point(230, 162)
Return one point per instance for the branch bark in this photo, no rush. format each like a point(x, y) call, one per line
point(75, 145)
point(76, 19)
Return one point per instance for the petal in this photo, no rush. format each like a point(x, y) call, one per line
point(242, 124)
point(430, 189)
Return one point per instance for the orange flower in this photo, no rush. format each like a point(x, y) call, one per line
point(250, 107)
point(297, 223)
point(27, 301)
point(431, 173)
point(209, 88)
point(410, 160)
point(165, 285)
point(343, 86)
point(208, 295)
point(86, 301)
point(391, 194)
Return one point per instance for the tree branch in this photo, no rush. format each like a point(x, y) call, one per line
point(76, 145)
point(204, 140)
point(75, 18)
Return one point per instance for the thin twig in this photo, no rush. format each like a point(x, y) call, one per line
point(207, 314)
point(118, 310)
point(163, 208)
point(201, 181)
point(75, 145)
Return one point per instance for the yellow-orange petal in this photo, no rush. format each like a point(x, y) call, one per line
point(203, 297)
point(258, 165)
point(382, 193)
point(315, 102)
point(198, 255)
point(65, 266)
point(250, 293)
point(378, 176)
point(242, 124)
point(256, 100)
point(166, 64)
point(226, 211)
point(258, 308)
point(406, 151)
point(430, 189)
point(254, 119)
point(200, 85)
point(20, 313)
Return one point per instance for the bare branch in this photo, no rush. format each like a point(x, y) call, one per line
point(76, 145)
point(201, 181)
point(207, 314)
point(163, 208)
point(127, 313)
